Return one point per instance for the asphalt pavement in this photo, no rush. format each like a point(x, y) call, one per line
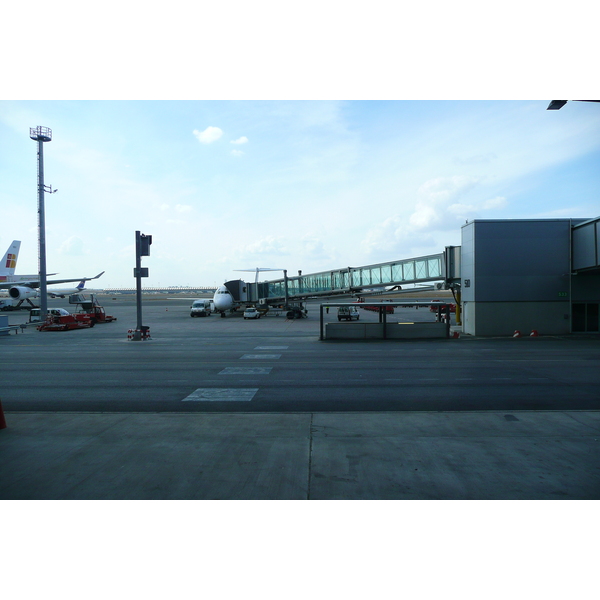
point(213, 408)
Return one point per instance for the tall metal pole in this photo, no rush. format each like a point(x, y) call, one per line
point(41, 135)
point(138, 281)
point(42, 233)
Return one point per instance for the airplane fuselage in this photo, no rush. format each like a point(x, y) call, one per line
point(224, 301)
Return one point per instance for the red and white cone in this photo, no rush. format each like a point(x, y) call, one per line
point(534, 333)
point(517, 333)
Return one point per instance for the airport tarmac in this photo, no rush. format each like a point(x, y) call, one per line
point(213, 408)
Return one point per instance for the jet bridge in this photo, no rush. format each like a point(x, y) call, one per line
point(434, 267)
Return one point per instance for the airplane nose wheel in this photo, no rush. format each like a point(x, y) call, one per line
point(222, 315)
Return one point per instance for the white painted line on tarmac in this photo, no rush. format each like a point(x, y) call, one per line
point(246, 371)
point(261, 356)
point(221, 395)
point(271, 347)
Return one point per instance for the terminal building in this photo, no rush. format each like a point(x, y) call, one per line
point(526, 275)
point(508, 275)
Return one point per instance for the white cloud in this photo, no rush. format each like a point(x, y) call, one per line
point(442, 189)
point(183, 208)
point(475, 159)
point(313, 246)
point(267, 245)
point(437, 214)
point(72, 246)
point(498, 202)
point(241, 140)
point(237, 153)
point(209, 135)
point(435, 197)
point(264, 252)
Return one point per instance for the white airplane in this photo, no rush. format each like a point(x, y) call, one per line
point(9, 263)
point(223, 299)
point(24, 287)
point(62, 292)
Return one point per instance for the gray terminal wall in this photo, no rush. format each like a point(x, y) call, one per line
point(516, 275)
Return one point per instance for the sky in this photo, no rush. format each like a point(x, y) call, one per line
point(258, 135)
point(305, 185)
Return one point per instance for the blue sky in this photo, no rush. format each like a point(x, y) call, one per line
point(310, 185)
point(243, 136)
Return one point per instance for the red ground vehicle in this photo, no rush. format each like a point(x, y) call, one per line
point(388, 309)
point(64, 322)
point(97, 314)
point(91, 308)
point(434, 308)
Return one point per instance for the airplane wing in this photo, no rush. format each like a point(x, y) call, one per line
point(35, 283)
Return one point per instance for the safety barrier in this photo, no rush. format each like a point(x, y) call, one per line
point(139, 334)
point(358, 331)
point(440, 328)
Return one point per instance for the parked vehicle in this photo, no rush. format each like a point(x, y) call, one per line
point(348, 313)
point(200, 308)
point(452, 307)
point(64, 322)
point(34, 313)
point(251, 313)
point(388, 309)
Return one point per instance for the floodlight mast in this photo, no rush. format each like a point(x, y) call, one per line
point(41, 135)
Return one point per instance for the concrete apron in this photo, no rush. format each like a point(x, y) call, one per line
point(408, 455)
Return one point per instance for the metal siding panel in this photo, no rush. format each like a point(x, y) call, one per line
point(584, 246)
point(467, 260)
point(522, 261)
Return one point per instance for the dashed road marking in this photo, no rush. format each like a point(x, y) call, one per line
point(221, 395)
point(245, 371)
point(261, 356)
point(271, 347)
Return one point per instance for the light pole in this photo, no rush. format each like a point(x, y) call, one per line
point(41, 135)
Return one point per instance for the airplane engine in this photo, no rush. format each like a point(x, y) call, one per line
point(21, 293)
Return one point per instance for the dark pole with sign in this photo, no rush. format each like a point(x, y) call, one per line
point(142, 248)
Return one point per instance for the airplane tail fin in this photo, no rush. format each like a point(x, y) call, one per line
point(81, 285)
point(9, 261)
